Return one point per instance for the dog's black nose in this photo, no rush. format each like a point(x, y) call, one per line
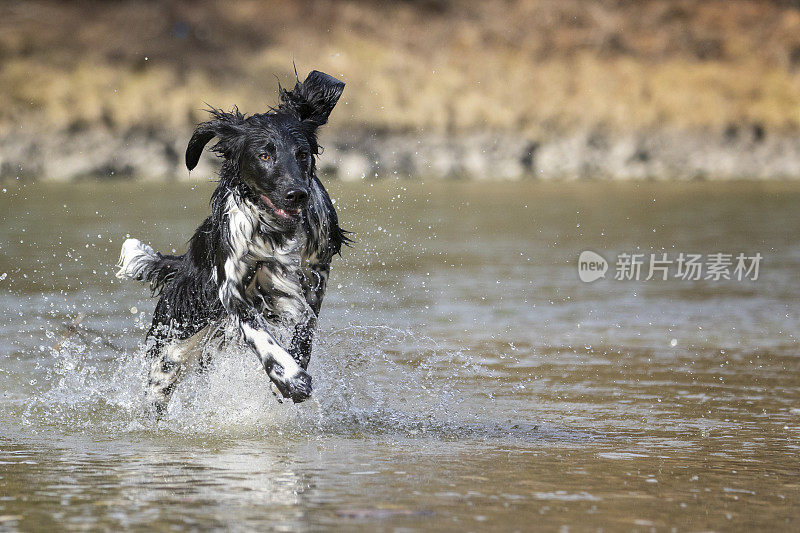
point(297, 196)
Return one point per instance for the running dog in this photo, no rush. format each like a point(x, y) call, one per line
point(259, 264)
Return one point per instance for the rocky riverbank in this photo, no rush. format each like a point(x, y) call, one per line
point(654, 89)
point(735, 153)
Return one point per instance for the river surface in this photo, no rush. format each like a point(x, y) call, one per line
point(465, 378)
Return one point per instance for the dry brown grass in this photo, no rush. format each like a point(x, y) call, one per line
point(533, 66)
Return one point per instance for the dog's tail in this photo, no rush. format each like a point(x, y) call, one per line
point(140, 262)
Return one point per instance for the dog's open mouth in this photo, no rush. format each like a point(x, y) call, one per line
point(289, 214)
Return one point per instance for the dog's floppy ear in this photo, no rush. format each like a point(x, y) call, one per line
point(204, 133)
point(224, 125)
point(313, 100)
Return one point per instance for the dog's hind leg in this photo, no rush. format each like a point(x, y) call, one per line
point(168, 361)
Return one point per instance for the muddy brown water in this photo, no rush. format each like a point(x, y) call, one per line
point(466, 379)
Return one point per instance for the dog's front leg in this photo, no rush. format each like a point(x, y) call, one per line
point(302, 341)
point(292, 380)
point(314, 282)
point(314, 279)
point(236, 273)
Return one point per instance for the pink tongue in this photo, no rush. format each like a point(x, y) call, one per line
point(267, 201)
point(279, 212)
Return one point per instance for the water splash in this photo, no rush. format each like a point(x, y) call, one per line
point(368, 380)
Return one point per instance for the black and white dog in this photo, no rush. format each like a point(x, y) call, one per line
point(258, 266)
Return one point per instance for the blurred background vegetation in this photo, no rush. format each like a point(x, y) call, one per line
point(538, 68)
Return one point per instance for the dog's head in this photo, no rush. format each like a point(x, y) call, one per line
point(273, 153)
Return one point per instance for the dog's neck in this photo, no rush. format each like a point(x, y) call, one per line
point(263, 260)
point(254, 229)
point(310, 238)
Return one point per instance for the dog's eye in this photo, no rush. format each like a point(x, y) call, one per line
point(302, 157)
point(264, 157)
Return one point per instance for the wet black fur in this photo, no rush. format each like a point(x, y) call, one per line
point(188, 285)
point(188, 294)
